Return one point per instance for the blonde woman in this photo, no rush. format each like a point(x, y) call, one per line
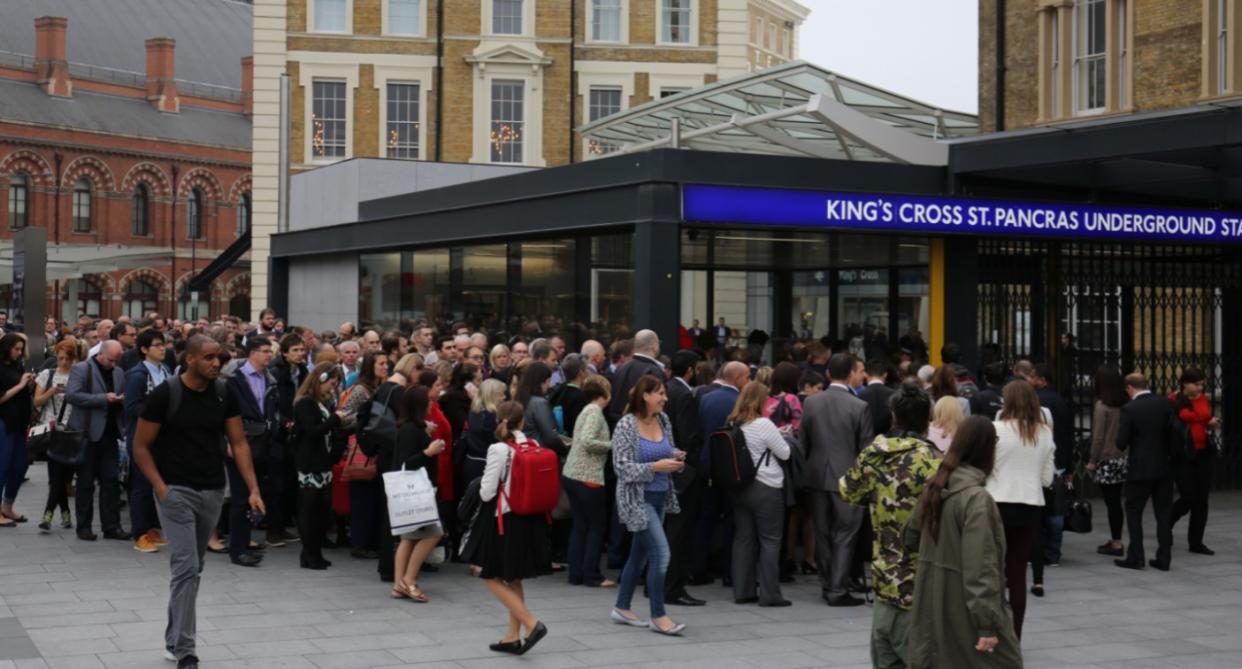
point(481, 427)
point(947, 416)
point(759, 508)
point(498, 361)
point(405, 372)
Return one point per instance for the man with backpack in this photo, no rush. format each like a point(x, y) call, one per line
point(715, 405)
point(179, 447)
point(255, 389)
point(140, 380)
point(836, 425)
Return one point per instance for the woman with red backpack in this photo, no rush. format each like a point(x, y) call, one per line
point(518, 480)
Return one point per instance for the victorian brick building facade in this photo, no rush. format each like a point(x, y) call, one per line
point(484, 81)
point(125, 131)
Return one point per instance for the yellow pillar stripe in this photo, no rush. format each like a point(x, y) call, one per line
point(935, 338)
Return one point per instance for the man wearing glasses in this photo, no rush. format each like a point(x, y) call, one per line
point(140, 380)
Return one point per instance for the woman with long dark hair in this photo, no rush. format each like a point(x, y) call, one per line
point(16, 393)
point(1024, 467)
point(364, 525)
point(1106, 464)
point(960, 618)
point(415, 449)
point(1194, 474)
point(532, 393)
point(313, 425)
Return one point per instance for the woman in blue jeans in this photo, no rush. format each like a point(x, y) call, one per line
point(15, 407)
point(583, 480)
point(643, 457)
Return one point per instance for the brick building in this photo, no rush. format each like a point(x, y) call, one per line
point(125, 131)
point(483, 81)
point(1062, 60)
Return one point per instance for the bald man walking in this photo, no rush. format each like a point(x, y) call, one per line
point(96, 387)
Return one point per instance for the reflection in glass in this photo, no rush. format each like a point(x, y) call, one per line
point(862, 310)
point(612, 285)
point(545, 301)
point(430, 277)
point(483, 286)
point(913, 300)
point(812, 302)
point(379, 289)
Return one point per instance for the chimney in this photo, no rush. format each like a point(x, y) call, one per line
point(161, 88)
point(248, 85)
point(51, 68)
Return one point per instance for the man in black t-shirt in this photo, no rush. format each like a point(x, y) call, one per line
point(181, 452)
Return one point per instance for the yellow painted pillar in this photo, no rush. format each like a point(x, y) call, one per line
point(935, 338)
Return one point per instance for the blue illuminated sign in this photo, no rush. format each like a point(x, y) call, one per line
point(903, 213)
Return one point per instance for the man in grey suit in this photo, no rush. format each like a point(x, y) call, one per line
point(96, 392)
point(836, 425)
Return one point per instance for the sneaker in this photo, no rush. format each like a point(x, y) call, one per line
point(169, 655)
point(145, 545)
point(275, 541)
point(66, 521)
point(46, 525)
point(157, 537)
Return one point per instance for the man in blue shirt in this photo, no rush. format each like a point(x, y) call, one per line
point(256, 392)
point(140, 380)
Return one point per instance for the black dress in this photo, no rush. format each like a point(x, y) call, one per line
point(521, 552)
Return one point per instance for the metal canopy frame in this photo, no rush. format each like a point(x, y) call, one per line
point(795, 109)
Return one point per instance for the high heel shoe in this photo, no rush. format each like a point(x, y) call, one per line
point(808, 568)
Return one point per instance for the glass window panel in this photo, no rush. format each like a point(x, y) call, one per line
point(603, 102)
point(140, 212)
point(913, 300)
point(484, 286)
point(612, 286)
point(606, 20)
point(862, 308)
point(812, 304)
point(744, 300)
point(379, 289)
point(194, 215)
point(675, 21)
point(403, 121)
point(546, 297)
point(1089, 26)
point(430, 278)
point(141, 299)
point(404, 17)
point(328, 119)
point(243, 215)
point(507, 17)
point(330, 15)
point(19, 197)
point(508, 120)
point(82, 206)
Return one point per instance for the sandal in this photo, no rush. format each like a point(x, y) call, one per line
point(398, 593)
point(416, 594)
point(221, 550)
point(17, 518)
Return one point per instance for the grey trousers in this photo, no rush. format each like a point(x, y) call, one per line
point(890, 626)
point(188, 517)
point(758, 521)
point(836, 531)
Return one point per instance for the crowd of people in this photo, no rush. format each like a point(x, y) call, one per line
point(673, 471)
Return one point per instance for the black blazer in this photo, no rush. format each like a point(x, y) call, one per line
point(624, 380)
point(1146, 436)
point(1062, 425)
point(311, 452)
point(683, 411)
point(877, 396)
point(412, 440)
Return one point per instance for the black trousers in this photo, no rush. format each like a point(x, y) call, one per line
point(1194, 482)
point(58, 477)
point(100, 466)
point(1160, 493)
point(314, 509)
point(679, 529)
point(1116, 512)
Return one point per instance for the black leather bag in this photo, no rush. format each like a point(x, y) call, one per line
point(1079, 517)
point(58, 443)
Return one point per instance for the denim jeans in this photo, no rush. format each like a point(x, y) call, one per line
point(13, 460)
point(586, 541)
point(142, 515)
point(650, 548)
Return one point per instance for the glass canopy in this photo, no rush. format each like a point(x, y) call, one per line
point(795, 109)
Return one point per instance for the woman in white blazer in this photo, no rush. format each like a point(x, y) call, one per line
point(1024, 467)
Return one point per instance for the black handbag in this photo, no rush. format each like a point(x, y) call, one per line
point(58, 443)
point(1078, 519)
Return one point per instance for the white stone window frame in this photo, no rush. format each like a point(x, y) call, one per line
point(625, 24)
point(694, 26)
point(588, 81)
point(386, 25)
point(528, 21)
point(349, 19)
point(391, 74)
point(532, 107)
point(307, 74)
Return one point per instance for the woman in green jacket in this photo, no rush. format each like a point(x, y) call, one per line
point(960, 617)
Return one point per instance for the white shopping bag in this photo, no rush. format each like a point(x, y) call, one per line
point(411, 500)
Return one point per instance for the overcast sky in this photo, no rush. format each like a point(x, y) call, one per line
point(924, 49)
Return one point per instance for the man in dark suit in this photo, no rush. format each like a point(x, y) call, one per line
point(1146, 436)
point(255, 388)
point(1053, 528)
point(836, 425)
point(96, 391)
point(877, 395)
point(715, 405)
point(690, 483)
point(646, 350)
point(695, 331)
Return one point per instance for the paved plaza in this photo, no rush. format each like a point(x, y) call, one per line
point(68, 603)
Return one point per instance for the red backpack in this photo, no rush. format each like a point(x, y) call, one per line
point(534, 481)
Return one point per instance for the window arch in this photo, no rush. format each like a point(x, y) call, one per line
point(243, 214)
point(82, 205)
point(141, 216)
point(141, 298)
point(19, 200)
point(194, 215)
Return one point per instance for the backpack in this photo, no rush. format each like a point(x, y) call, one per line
point(174, 401)
point(534, 476)
point(731, 463)
point(379, 431)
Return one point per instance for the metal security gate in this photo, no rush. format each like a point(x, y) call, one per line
point(1158, 309)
